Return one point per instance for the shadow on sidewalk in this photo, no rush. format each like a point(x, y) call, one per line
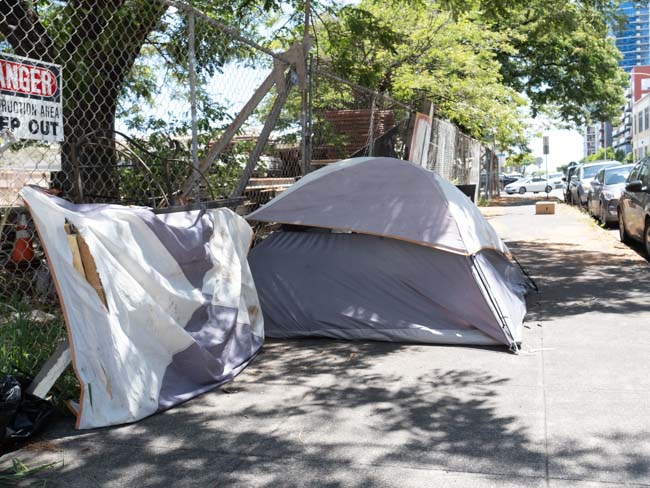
point(355, 431)
point(326, 438)
point(573, 281)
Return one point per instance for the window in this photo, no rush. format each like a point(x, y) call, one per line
point(644, 172)
point(639, 123)
point(634, 174)
point(590, 172)
point(616, 176)
point(646, 116)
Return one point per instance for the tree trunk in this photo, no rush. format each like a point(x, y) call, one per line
point(88, 155)
point(97, 59)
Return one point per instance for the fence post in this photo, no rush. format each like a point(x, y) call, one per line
point(304, 95)
point(310, 117)
point(191, 54)
point(371, 129)
point(218, 147)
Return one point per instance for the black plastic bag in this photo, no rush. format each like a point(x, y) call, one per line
point(21, 414)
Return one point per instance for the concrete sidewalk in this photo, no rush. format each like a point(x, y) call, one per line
point(572, 410)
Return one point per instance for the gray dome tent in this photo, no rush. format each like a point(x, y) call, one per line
point(387, 251)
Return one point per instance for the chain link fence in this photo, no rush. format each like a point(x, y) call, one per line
point(168, 106)
point(453, 154)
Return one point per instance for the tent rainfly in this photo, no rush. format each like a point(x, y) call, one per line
point(169, 309)
point(382, 249)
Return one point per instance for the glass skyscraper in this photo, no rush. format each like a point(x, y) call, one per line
point(634, 39)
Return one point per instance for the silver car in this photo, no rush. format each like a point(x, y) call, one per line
point(634, 206)
point(606, 189)
point(580, 183)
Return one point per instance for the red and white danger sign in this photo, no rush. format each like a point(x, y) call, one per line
point(30, 98)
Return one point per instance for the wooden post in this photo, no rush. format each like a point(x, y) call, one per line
point(83, 261)
point(90, 269)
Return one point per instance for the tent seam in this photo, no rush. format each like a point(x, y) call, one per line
point(446, 200)
point(498, 315)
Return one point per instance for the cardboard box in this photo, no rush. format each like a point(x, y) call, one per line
point(545, 208)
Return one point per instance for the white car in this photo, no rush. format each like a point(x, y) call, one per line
point(535, 184)
point(555, 180)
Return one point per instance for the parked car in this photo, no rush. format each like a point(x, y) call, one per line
point(534, 184)
point(580, 182)
point(510, 178)
point(606, 189)
point(634, 206)
point(556, 180)
point(571, 170)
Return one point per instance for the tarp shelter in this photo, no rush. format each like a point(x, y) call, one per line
point(175, 312)
point(385, 250)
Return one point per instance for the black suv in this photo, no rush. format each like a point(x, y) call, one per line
point(634, 206)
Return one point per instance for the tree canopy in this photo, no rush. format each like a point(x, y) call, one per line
point(605, 153)
point(481, 62)
point(562, 56)
point(113, 53)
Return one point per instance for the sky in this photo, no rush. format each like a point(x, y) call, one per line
point(564, 146)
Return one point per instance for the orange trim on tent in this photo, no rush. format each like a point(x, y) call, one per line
point(65, 319)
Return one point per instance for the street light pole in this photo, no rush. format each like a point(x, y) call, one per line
point(547, 182)
point(545, 148)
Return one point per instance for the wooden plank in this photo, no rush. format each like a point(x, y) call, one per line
point(74, 249)
point(90, 268)
point(51, 370)
point(83, 261)
point(287, 180)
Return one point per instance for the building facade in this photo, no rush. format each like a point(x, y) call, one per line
point(639, 100)
point(597, 136)
point(633, 41)
point(641, 130)
point(622, 132)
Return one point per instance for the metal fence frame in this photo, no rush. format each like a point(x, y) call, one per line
point(203, 167)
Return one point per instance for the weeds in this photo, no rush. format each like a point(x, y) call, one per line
point(19, 471)
point(27, 340)
point(482, 202)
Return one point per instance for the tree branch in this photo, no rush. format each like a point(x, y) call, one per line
point(90, 17)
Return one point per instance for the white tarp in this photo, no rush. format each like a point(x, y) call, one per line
point(182, 314)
